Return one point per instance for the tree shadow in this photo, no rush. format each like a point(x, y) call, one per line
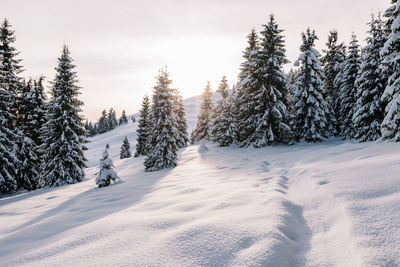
point(86, 207)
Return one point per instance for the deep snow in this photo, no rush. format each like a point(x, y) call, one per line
point(329, 204)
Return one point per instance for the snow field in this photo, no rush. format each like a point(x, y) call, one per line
point(328, 204)
point(219, 216)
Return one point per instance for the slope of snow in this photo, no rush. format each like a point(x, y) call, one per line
point(329, 204)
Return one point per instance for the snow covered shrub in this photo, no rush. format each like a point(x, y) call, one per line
point(107, 172)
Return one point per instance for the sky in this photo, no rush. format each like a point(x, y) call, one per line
point(119, 46)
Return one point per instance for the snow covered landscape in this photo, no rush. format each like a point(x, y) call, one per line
point(333, 203)
point(289, 157)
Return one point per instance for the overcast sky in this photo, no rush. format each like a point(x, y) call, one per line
point(119, 45)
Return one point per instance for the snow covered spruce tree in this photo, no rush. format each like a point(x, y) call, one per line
point(370, 83)
point(246, 113)
point(332, 61)
point(220, 120)
point(348, 91)
point(10, 86)
point(107, 173)
point(112, 119)
point(104, 124)
point(202, 130)
point(29, 125)
point(125, 149)
point(270, 94)
point(181, 124)
point(389, 18)
point(8, 160)
point(11, 67)
point(143, 130)
point(64, 132)
point(387, 68)
point(123, 119)
point(162, 142)
point(38, 115)
point(390, 52)
point(310, 111)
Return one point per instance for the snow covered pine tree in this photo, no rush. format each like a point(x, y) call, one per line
point(270, 95)
point(220, 117)
point(143, 130)
point(162, 142)
point(29, 128)
point(107, 173)
point(64, 132)
point(332, 61)
point(390, 52)
point(246, 113)
point(112, 119)
point(387, 29)
point(104, 124)
point(370, 84)
point(125, 149)
point(310, 110)
point(347, 89)
point(9, 87)
point(203, 120)
point(123, 119)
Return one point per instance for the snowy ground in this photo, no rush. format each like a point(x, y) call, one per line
point(329, 204)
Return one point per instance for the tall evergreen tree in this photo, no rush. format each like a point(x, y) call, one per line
point(310, 110)
point(221, 117)
point(202, 130)
point(347, 89)
point(370, 83)
point(10, 85)
point(390, 52)
point(107, 173)
point(123, 119)
point(332, 61)
point(270, 95)
point(388, 69)
point(246, 114)
point(389, 18)
point(104, 123)
point(112, 119)
point(163, 147)
point(144, 128)
point(39, 111)
point(29, 126)
point(8, 160)
point(180, 114)
point(10, 67)
point(64, 132)
point(125, 149)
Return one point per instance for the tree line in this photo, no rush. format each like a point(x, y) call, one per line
point(352, 91)
point(107, 122)
point(41, 140)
